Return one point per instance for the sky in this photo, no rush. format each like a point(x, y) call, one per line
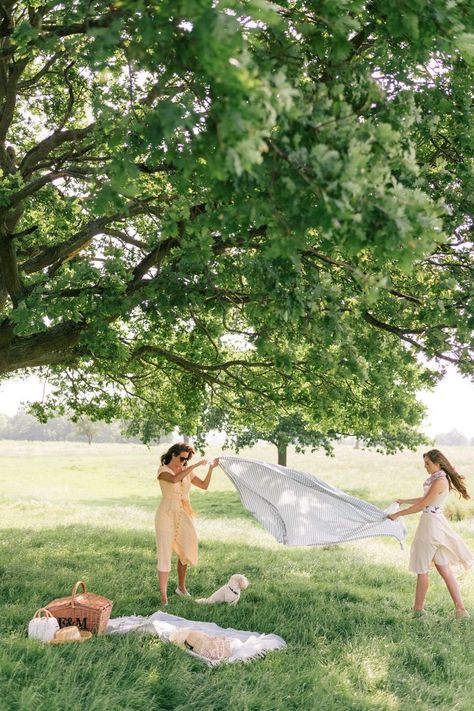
point(450, 406)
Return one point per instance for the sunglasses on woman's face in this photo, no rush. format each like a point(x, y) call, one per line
point(184, 459)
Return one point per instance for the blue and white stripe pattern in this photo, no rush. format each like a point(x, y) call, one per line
point(301, 510)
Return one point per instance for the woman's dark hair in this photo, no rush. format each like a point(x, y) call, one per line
point(175, 450)
point(455, 480)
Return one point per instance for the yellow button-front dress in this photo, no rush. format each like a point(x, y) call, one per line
point(173, 523)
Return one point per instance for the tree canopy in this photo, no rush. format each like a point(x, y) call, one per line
point(205, 200)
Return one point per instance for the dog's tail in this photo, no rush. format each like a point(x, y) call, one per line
point(202, 601)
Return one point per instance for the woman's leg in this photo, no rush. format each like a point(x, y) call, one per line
point(452, 585)
point(422, 584)
point(182, 570)
point(163, 576)
point(164, 546)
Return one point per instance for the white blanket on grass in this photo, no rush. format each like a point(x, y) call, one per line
point(244, 645)
point(301, 510)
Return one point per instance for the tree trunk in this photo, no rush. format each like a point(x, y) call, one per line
point(282, 454)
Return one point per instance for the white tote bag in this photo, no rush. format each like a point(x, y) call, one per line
point(43, 628)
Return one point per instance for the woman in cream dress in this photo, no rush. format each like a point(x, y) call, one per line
point(435, 544)
point(173, 519)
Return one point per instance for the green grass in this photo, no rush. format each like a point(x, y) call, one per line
point(70, 511)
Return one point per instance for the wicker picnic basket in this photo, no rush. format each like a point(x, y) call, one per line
point(86, 610)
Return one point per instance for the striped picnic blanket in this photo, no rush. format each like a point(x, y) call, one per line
point(301, 510)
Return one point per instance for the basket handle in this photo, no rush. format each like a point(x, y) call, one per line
point(74, 590)
point(46, 612)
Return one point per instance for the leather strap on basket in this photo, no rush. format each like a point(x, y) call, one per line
point(74, 590)
point(46, 612)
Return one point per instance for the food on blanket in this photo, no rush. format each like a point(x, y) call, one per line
point(205, 645)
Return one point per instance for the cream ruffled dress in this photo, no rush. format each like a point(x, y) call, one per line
point(435, 541)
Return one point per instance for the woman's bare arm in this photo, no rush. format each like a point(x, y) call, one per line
point(410, 501)
point(436, 488)
point(204, 483)
point(179, 476)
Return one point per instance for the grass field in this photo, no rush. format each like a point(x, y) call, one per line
point(72, 511)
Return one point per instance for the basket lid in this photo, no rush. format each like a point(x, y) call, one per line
point(83, 600)
point(92, 600)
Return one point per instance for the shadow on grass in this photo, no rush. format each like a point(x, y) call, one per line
point(337, 614)
point(220, 504)
point(36, 566)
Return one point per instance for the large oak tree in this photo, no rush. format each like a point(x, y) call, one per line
point(202, 198)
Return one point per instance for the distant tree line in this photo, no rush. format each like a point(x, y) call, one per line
point(455, 438)
point(24, 426)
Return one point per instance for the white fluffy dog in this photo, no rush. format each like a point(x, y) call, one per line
point(229, 593)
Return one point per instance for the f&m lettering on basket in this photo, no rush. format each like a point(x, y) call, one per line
point(86, 610)
point(69, 622)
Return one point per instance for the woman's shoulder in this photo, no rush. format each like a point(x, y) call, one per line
point(441, 474)
point(164, 468)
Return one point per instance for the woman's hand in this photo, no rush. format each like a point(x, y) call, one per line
point(200, 463)
point(393, 516)
point(400, 501)
point(214, 463)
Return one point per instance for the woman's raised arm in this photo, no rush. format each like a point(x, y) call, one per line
point(179, 476)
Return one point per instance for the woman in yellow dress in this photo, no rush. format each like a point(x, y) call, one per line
point(435, 544)
point(173, 519)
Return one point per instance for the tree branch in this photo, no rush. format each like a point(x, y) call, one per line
point(41, 73)
point(70, 103)
point(66, 250)
point(160, 168)
point(9, 270)
point(9, 101)
point(402, 334)
point(44, 148)
point(124, 237)
point(354, 270)
point(24, 233)
point(33, 187)
point(54, 346)
point(73, 156)
point(152, 259)
point(196, 367)
point(81, 28)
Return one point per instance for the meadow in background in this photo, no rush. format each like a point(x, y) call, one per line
point(72, 511)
